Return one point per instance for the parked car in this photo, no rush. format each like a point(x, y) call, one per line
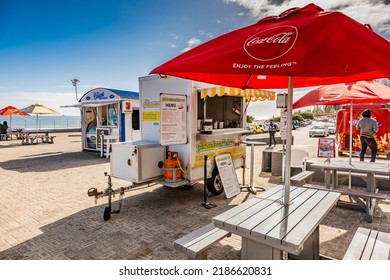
point(254, 128)
point(264, 127)
point(331, 128)
point(257, 129)
point(318, 130)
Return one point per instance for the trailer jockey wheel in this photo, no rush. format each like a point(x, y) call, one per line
point(214, 184)
point(107, 213)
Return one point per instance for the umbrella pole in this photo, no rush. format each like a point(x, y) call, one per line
point(350, 132)
point(350, 142)
point(287, 163)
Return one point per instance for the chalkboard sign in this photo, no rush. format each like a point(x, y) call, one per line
point(228, 175)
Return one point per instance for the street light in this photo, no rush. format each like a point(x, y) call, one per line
point(74, 82)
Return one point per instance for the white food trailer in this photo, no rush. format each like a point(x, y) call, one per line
point(109, 113)
point(184, 125)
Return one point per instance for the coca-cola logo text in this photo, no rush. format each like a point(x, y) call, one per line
point(281, 38)
point(271, 43)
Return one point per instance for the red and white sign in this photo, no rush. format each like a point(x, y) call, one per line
point(126, 107)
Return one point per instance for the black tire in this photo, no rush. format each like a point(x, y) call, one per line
point(214, 184)
point(107, 213)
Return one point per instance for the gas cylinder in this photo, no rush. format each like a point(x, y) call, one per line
point(172, 161)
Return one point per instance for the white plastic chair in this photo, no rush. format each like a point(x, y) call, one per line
point(298, 160)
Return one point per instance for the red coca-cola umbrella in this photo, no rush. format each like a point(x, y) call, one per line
point(301, 47)
point(346, 93)
point(314, 46)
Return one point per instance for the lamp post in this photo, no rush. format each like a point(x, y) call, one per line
point(74, 82)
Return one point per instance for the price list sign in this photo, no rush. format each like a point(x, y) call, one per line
point(228, 175)
point(173, 122)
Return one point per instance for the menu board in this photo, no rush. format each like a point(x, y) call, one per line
point(326, 147)
point(173, 119)
point(228, 175)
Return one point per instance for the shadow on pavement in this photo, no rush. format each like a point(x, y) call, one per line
point(52, 161)
point(145, 229)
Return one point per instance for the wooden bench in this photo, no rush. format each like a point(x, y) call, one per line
point(302, 177)
point(29, 139)
point(362, 199)
point(369, 244)
point(47, 139)
point(345, 175)
point(5, 137)
point(197, 243)
point(344, 190)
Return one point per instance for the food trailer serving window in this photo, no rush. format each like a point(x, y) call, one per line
point(227, 109)
point(225, 104)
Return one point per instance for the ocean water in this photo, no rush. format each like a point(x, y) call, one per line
point(44, 122)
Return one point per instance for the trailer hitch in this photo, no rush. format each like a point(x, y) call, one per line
point(110, 192)
point(94, 192)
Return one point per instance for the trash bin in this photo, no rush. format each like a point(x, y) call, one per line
point(276, 163)
point(266, 161)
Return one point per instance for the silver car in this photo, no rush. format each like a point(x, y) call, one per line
point(331, 128)
point(318, 130)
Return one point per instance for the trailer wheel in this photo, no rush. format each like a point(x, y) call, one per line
point(107, 213)
point(214, 184)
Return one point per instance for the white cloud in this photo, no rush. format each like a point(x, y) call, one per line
point(206, 34)
point(193, 42)
point(174, 36)
point(373, 12)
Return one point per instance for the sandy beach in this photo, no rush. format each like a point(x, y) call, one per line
point(46, 213)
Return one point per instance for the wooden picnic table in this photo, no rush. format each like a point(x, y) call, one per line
point(34, 137)
point(268, 228)
point(369, 170)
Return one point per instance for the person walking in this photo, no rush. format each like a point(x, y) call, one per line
point(368, 127)
point(272, 131)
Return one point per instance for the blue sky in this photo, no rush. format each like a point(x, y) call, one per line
point(110, 43)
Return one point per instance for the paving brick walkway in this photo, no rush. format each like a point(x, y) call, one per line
point(45, 212)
